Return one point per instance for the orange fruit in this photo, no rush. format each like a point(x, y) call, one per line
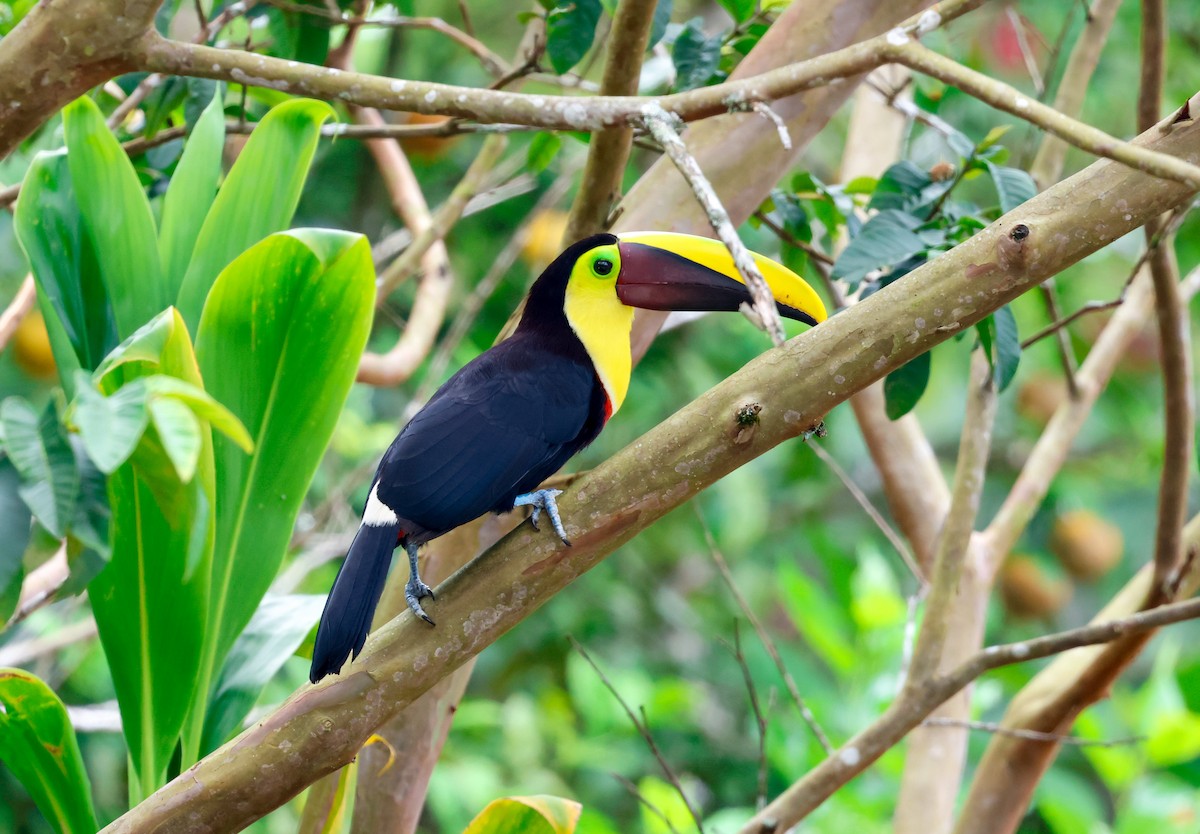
point(1027, 591)
point(1086, 544)
point(31, 347)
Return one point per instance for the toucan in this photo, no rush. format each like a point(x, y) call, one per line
point(516, 413)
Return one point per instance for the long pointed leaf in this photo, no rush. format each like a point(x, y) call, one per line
point(190, 194)
point(50, 228)
point(40, 452)
point(258, 197)
point(38, 744)
point(116, 215)
point(278, 345)
point(150, 601)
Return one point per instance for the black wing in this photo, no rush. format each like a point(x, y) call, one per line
point(495, 430)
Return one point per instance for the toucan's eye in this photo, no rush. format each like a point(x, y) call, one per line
point(602, 266)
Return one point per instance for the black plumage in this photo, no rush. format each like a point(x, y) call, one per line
point(495, 430)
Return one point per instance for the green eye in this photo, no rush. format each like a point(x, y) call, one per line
point(602, 266)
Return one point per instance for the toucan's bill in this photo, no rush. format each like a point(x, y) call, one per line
point(673, 271)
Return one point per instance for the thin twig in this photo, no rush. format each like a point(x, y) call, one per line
point(1018, 25)
point(1031, 735)
point(659, 123)
point(644, 731)
point(760, 719)
point(1065, 353)
point(877, 517)
point(493, 63)
point(788, 681)
point(646, 803)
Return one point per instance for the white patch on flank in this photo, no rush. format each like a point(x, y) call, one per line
point(377, 513)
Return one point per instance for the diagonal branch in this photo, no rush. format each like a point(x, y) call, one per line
point(322, 727)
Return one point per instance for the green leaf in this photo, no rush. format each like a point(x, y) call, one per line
point(1013, 186)
point(696, 56)
point(542, 150)
point(38, 744)
point(150, 601)
point(887, 239)
point(116, 216)
point(190, 194)
point(527, 815)
point(739, 10)
point(823, 624)
point(1008, 347)
point(39, 450)
point(673, 815)
point(900, 186)
point(110, 427)
point(15, 520)
point(258, 197)
point(658, 26)
point(71, 293)
point(903, 387)
point(276, 630)
point(180, 434)
point(279, 346)
point(993, 136)
point(570, 30)
point(203, 406)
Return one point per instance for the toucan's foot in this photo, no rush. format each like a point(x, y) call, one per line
point(543, 499)
point(416, 590)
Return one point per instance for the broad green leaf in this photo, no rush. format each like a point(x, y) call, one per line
point(1174, 739)
point(903, 387)
point(110, 427)
point(151, 600)
point(1013, 186)
point(275, 631)
point(38, 744)
point(258, 197)
point(1008, 346)
point(887, 239)
point(190, 194)
point(527, 815)
point(71, 293)
point(180, 434)
point(739, 10)
point(116, 216)
point(279, 346)
point(900, 185)
point(203, 406)
point(695, 55)
point(570, 30)
point(993, 136)
point(15, 520)
point(38, 449)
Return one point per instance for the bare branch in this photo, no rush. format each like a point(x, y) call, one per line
point(1031, 735)
point(16, 310)
point(658, 122)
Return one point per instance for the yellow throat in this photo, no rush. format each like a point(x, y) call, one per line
point(600, 320)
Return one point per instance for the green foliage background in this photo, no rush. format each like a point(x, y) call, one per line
point(656, 615)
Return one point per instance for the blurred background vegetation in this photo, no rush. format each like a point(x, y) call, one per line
point(832, 591)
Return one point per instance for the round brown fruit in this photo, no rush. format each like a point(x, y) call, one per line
point(1086, 544)
point(1028, 592)
point(1040, 396)
point(427, 148)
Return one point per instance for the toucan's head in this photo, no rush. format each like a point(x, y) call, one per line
point(597, 281)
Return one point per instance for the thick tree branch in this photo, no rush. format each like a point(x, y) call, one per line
point(322, 727)
point(608, 152)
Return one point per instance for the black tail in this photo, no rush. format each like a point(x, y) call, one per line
point(351, 604)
